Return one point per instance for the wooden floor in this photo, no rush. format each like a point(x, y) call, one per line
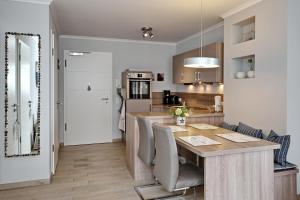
point(87, 172)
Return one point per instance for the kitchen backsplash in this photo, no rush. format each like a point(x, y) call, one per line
point(191, 99)
point(202, 89)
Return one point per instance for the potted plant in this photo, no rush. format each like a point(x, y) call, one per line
point(180, 112)
point(251, 73)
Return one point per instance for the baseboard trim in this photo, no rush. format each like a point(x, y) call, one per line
point(10, 186)
point(117, 140)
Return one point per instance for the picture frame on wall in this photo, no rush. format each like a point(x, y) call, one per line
point(160, 77)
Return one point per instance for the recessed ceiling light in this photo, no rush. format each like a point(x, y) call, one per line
point(75, 53)
point(147, 32)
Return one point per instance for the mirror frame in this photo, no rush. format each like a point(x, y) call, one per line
point(7, 34)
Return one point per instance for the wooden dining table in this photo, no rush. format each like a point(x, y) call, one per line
point(233, 171)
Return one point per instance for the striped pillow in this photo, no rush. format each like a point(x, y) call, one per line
point(284, 141)
point(228, 126)
point(248, 130)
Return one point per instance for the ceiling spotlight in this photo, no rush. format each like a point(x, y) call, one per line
point(147, 32)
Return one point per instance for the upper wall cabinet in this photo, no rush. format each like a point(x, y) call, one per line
point(183, 74)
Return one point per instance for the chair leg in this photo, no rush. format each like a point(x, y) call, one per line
point(195, 194)
point(173, 196)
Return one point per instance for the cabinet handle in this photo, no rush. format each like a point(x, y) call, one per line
point(199, 77)
point(196, 76)
point(181, 76)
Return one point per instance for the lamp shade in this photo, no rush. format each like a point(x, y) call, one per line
point(201, 62)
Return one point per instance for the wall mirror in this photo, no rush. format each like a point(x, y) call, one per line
point(22, 94)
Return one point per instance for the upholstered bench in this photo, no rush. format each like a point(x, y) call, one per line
point(285, 173)
point(285, 181)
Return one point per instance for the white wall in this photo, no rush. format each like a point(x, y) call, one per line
point(260, 102)
point(26, 18)
point(293, 82)
point(210, 35)
point(155, 57)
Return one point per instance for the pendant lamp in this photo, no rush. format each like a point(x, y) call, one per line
point(201, 62)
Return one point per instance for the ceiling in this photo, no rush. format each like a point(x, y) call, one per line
point(171, 20)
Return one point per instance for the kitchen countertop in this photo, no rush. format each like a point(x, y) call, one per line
point(166, 105)
point(197, 113)
point(193, 107)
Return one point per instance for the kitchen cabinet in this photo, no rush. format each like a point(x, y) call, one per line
point(183, 74)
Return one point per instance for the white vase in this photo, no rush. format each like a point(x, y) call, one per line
point(181, 121)
point(251, 74)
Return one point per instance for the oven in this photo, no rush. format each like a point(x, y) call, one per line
point(138, 84)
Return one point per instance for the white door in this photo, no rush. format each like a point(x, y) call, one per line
point(88, 97)
point(54, 106)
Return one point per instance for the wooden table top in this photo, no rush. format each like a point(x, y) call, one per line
point(226, 146)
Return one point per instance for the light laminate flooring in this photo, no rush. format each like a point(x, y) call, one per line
point(85, 172)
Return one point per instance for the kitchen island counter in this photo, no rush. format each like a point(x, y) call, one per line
point(195, 114)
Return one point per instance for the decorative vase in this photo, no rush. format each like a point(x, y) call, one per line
point(181, 121)
point(251, 74)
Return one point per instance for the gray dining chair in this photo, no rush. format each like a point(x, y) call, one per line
point(167, 170)
point(146, 150)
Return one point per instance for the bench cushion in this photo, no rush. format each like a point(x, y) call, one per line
point(228, 126)
point(288, 166)
point(248, 130)
point(284, 141)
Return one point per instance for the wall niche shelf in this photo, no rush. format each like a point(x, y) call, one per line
point(243, 67)
point(243, 31)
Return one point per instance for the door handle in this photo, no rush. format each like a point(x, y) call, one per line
point(105, 99)
point(199, 76)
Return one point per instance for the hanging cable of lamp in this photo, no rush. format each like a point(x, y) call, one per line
point(201, 62)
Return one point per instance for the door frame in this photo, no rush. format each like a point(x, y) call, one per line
point(53, 102)
point(64, 121)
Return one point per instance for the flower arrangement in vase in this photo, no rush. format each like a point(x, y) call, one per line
point(180, 112)
point(251, 73)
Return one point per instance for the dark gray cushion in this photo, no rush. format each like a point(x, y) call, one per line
point(284, 141)
point(248, 130)
point(230, 127)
